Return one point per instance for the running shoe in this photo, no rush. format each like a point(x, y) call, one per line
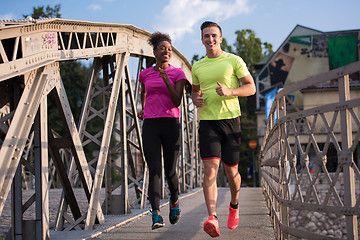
point(174, 213)
point(157, 221)
point(233, 219)
point(211, 226)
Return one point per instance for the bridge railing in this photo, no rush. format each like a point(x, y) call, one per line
point(309, 158)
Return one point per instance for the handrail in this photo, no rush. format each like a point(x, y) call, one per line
point(307, 196)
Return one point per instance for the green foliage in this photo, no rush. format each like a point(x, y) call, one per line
point(195, 59)
point(74, 77)
point(39, 12)
point(252, 50)
point(249, 47)
point(225, 46)
point(248, 132)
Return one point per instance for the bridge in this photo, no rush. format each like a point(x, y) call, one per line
point(113, 179)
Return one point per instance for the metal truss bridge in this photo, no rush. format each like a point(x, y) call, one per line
point(34, 154)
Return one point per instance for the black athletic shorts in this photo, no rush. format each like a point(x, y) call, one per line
point(220, 139)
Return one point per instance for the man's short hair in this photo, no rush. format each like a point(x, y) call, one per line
point(209, 24)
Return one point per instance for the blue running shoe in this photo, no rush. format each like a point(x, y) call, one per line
point(157, 221)
point(174, 214)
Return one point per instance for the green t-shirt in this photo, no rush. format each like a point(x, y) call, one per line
point(227, 69)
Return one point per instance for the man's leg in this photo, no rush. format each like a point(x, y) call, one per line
point(211, 167)
point(234, 180)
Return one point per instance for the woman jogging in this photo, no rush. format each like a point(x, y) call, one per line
point(161, 92)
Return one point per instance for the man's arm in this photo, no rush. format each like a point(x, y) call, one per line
point(196, 96)
point(247, 88)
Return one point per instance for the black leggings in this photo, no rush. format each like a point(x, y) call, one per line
point(165, 132)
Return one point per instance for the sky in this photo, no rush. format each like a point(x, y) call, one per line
point(271, 20)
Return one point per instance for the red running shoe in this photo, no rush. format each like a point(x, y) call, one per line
point(211, 226)
point(233, 219)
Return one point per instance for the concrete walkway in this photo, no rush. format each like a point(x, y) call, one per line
point(254, 220)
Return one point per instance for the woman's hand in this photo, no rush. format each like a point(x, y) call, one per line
point(163, 74)
point(176, 92)
point(141, 115)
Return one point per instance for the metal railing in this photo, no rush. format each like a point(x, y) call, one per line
point(309, 160)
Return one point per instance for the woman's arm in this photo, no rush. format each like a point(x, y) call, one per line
point(176, 92)
point(142, 98)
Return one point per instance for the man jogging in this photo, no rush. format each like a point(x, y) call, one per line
point(217, 82)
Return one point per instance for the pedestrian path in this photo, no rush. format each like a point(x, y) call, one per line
point(254, 220)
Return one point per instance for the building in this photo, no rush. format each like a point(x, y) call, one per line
point(305, 53)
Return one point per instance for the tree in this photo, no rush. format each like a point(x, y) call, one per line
point(38, 12)
point(225, 46)
point(195, 58)
point(250, 48)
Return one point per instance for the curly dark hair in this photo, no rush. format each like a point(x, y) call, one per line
point(158, 37)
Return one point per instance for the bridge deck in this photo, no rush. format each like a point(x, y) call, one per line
point(254, 220)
